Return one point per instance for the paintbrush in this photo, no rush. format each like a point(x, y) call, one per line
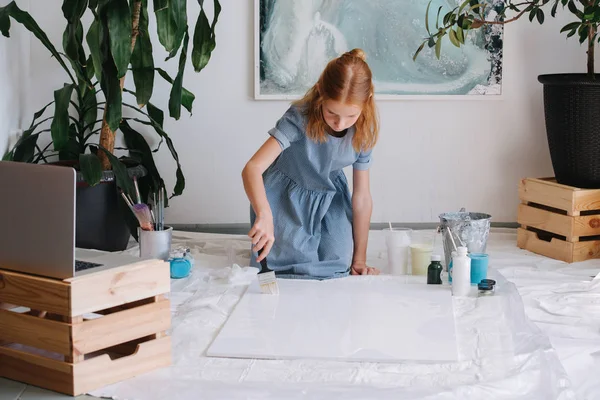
point(267, 279)
point(142, 213)
point(137, 190)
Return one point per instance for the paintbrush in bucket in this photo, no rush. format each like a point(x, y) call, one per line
point(267, 279)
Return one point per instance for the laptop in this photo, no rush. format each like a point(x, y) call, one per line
point(37, 231)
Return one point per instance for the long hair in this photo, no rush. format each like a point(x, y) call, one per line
point(346, 79)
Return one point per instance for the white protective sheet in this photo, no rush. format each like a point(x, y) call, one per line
point(503, 354)
point(376, 319)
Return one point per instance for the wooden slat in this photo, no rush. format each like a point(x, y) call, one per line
point(101, 371)
point(556, 249)
point(38, 293)
point(547, 193)
point(586, 250)
point(587, 199)
point(36, 332)
point(36, 370)
point(545, 220)
point(121, 327)
point(116, 286)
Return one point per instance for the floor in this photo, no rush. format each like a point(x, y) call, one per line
point(11, 390)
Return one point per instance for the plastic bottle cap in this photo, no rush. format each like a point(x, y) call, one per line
point(462, 250)
point(435, 257)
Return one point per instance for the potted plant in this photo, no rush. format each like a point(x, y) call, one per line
point(571, 100)
point(95, 104)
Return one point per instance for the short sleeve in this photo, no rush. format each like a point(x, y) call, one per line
point(289, 128)
point(363, 162)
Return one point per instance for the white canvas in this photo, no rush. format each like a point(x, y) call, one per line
point(373, 319)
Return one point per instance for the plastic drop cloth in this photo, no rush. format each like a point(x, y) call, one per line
point(503, 354)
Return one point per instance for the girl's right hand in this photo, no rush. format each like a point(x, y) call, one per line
point(262, 235)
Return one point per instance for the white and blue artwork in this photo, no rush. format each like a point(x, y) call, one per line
point(296, 38)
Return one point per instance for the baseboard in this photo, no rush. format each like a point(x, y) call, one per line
point(242, 229)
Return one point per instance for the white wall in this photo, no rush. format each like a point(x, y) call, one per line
point(434, 156)
point(13, 54)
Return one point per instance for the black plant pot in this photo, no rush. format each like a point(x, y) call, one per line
point(101, 216)
point(572, 113)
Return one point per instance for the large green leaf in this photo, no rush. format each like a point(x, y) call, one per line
point(142, 61)
point(93, 40)
point(176, 89)
point(204, 37)
point(73, 46)
point(29, 23)
point(156, 114)
point(111, 87)
point(90, 107)
point(120, 171)
point(71, 150)
point(179, 11)
point(165, 24)
point(187, 97)
point(60, 124)
point(180, 179)
point(74, 9)
point(136, 142)
point(91, 168)
point(119, 29)
point(25, 150)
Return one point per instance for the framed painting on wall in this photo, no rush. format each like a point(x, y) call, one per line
point(294, 40)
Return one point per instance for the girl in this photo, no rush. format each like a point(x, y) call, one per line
point(303, 217)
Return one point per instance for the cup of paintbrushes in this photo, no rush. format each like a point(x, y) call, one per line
point(155, 244)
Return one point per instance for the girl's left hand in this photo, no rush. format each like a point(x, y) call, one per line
point(361, 268)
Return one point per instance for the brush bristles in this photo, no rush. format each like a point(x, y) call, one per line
point(142, 213)
point(268, 283)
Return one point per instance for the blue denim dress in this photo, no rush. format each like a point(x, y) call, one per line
point(311, 201)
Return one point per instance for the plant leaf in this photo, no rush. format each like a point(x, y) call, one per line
point(180, 179)
point(418, 51)
point(142, 61)
point(121, 175)
point(136, 142)
point(25, 149)
point(454, 38)
point(40, 113)
point(74, 9)
point(187, 97)
point(28, 22)
point(93, 40)
point(179, 11)
point(176, 90)
point(165, 24)
point(60, 124)
point(427, 18)
point(156, 114)
point(460, 35)
point(438, 48)
point(90, 105)
point(119, 30)
point(204, 41)
point(91, 168)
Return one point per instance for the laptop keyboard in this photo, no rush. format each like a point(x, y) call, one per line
point(83, 265)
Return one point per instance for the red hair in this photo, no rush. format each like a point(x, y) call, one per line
point(346, 79)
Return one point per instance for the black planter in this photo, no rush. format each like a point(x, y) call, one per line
point(102, 214)
point(572, 113)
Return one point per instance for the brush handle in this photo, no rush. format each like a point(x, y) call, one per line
point(263, 263)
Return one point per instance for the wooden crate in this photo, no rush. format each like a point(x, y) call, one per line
point(559, 221)
point(77, 335)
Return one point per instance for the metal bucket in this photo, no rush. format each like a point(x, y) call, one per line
point(469, 229)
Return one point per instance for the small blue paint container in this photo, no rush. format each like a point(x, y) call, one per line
point(479, 267)
point(180, 267)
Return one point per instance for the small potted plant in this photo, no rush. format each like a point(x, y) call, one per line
point(571, 100)
point(95, 104)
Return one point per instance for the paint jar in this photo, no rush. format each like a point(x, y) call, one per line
point(434, 271)
point(397, 241)
point(479, 267)
point(155, 244)
point(421, 247)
